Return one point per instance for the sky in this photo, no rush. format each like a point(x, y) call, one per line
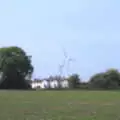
point(89, 30)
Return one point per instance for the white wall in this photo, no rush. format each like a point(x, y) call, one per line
point(53, 84)
point(45, 84)
point(65, 84)
point(36, 85)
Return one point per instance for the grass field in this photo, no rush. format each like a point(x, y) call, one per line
point(59, 105)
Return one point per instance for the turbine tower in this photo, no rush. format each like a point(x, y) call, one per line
point(61, 67)
point(66, 62)
point(69, 60)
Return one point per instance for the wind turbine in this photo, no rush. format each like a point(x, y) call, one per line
point(68, 64)
point(68, 60)
point(61, 67)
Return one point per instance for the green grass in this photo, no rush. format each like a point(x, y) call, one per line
point(59, 105)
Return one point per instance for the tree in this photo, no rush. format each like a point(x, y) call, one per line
point(97, 81)
point(74, 81)
point(106, 80)
point(112, 77)
point(15, 67)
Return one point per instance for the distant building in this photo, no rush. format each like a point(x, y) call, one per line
point(64, 83)
point(36, 84)
point(54, 84)
point(45, 84)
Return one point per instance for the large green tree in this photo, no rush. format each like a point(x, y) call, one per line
point(112, 77)
point(106, 80)
point(15, 67)
point(97, 81)
point(74, 81)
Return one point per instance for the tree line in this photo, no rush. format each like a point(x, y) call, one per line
point(110, 79)
point(16, 71)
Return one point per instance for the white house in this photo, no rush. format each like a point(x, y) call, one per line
point(64, 83)
point(45, 84)
point(36, 84)
point(54, 84)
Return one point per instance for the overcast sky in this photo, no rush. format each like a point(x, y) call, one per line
point(88, 29)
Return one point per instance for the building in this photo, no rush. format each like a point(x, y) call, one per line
point(64, 83)
point(45, 84)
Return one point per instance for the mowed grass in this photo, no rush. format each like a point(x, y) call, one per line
point(59, 105)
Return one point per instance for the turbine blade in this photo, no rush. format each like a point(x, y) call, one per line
point(65, 53)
